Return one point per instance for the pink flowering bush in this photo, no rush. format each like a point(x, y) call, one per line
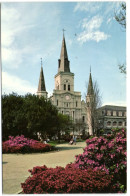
point(67, 180)
point(100, 169)
point(106, 154)
point(20, 144)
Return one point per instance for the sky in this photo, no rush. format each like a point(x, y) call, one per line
point(30, 31)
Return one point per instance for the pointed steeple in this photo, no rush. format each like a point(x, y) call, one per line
point(63, 61)
point(63, 53)
point(90, 85)
point(41, 85)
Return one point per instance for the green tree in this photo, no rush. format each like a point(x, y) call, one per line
point(63, 124)
point(27, 115)
point(41, 116)
point(12, 115)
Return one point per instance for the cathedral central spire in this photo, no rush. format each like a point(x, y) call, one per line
point(63, 61)
point(63, 53)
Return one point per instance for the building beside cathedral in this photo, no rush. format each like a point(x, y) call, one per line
point(65, 98)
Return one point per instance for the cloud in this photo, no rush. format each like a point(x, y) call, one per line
point(96, 7)
point(9, 56)
point(91, 30)
point(92, 24)
point(10, 19)
point(117, 103)
point(95, 36)
point(22, 32)
point(12, 83)
point(91, 7)
point(11, 27)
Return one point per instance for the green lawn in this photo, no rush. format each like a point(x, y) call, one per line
point(56, 142)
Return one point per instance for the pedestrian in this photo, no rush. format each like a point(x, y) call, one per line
point(74, 139)
point(71, 141)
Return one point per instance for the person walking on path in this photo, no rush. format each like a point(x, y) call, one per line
point(71, 141)
point(74, 139)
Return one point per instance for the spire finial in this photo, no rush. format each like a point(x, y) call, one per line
point(90, 68)
point(41, 62)
point(63, 31)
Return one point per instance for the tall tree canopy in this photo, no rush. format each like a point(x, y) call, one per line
point(28, 115)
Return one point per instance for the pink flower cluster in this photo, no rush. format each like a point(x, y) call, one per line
point(20, 144)
point(67, 180)
point(106, 154)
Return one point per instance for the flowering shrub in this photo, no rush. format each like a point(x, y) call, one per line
point(67, 180)
point(107, 154)
point(21, 144)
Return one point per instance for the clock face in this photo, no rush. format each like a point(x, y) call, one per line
point(67, 97)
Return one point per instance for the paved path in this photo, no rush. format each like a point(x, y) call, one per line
point(15, 166)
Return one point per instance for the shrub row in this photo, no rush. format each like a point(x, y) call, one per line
point(107, 154)
point(67, 180)
point(20, 144)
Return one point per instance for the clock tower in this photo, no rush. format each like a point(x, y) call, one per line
point(64, 97)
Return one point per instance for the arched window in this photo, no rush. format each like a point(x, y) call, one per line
point(114, 123)
point(120, 123)
point(109, 123)
point(83, 118)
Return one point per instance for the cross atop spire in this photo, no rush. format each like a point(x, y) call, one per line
point(90, 68)
point(41, 62)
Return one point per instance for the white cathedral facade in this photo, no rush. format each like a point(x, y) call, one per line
point(65, 98)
